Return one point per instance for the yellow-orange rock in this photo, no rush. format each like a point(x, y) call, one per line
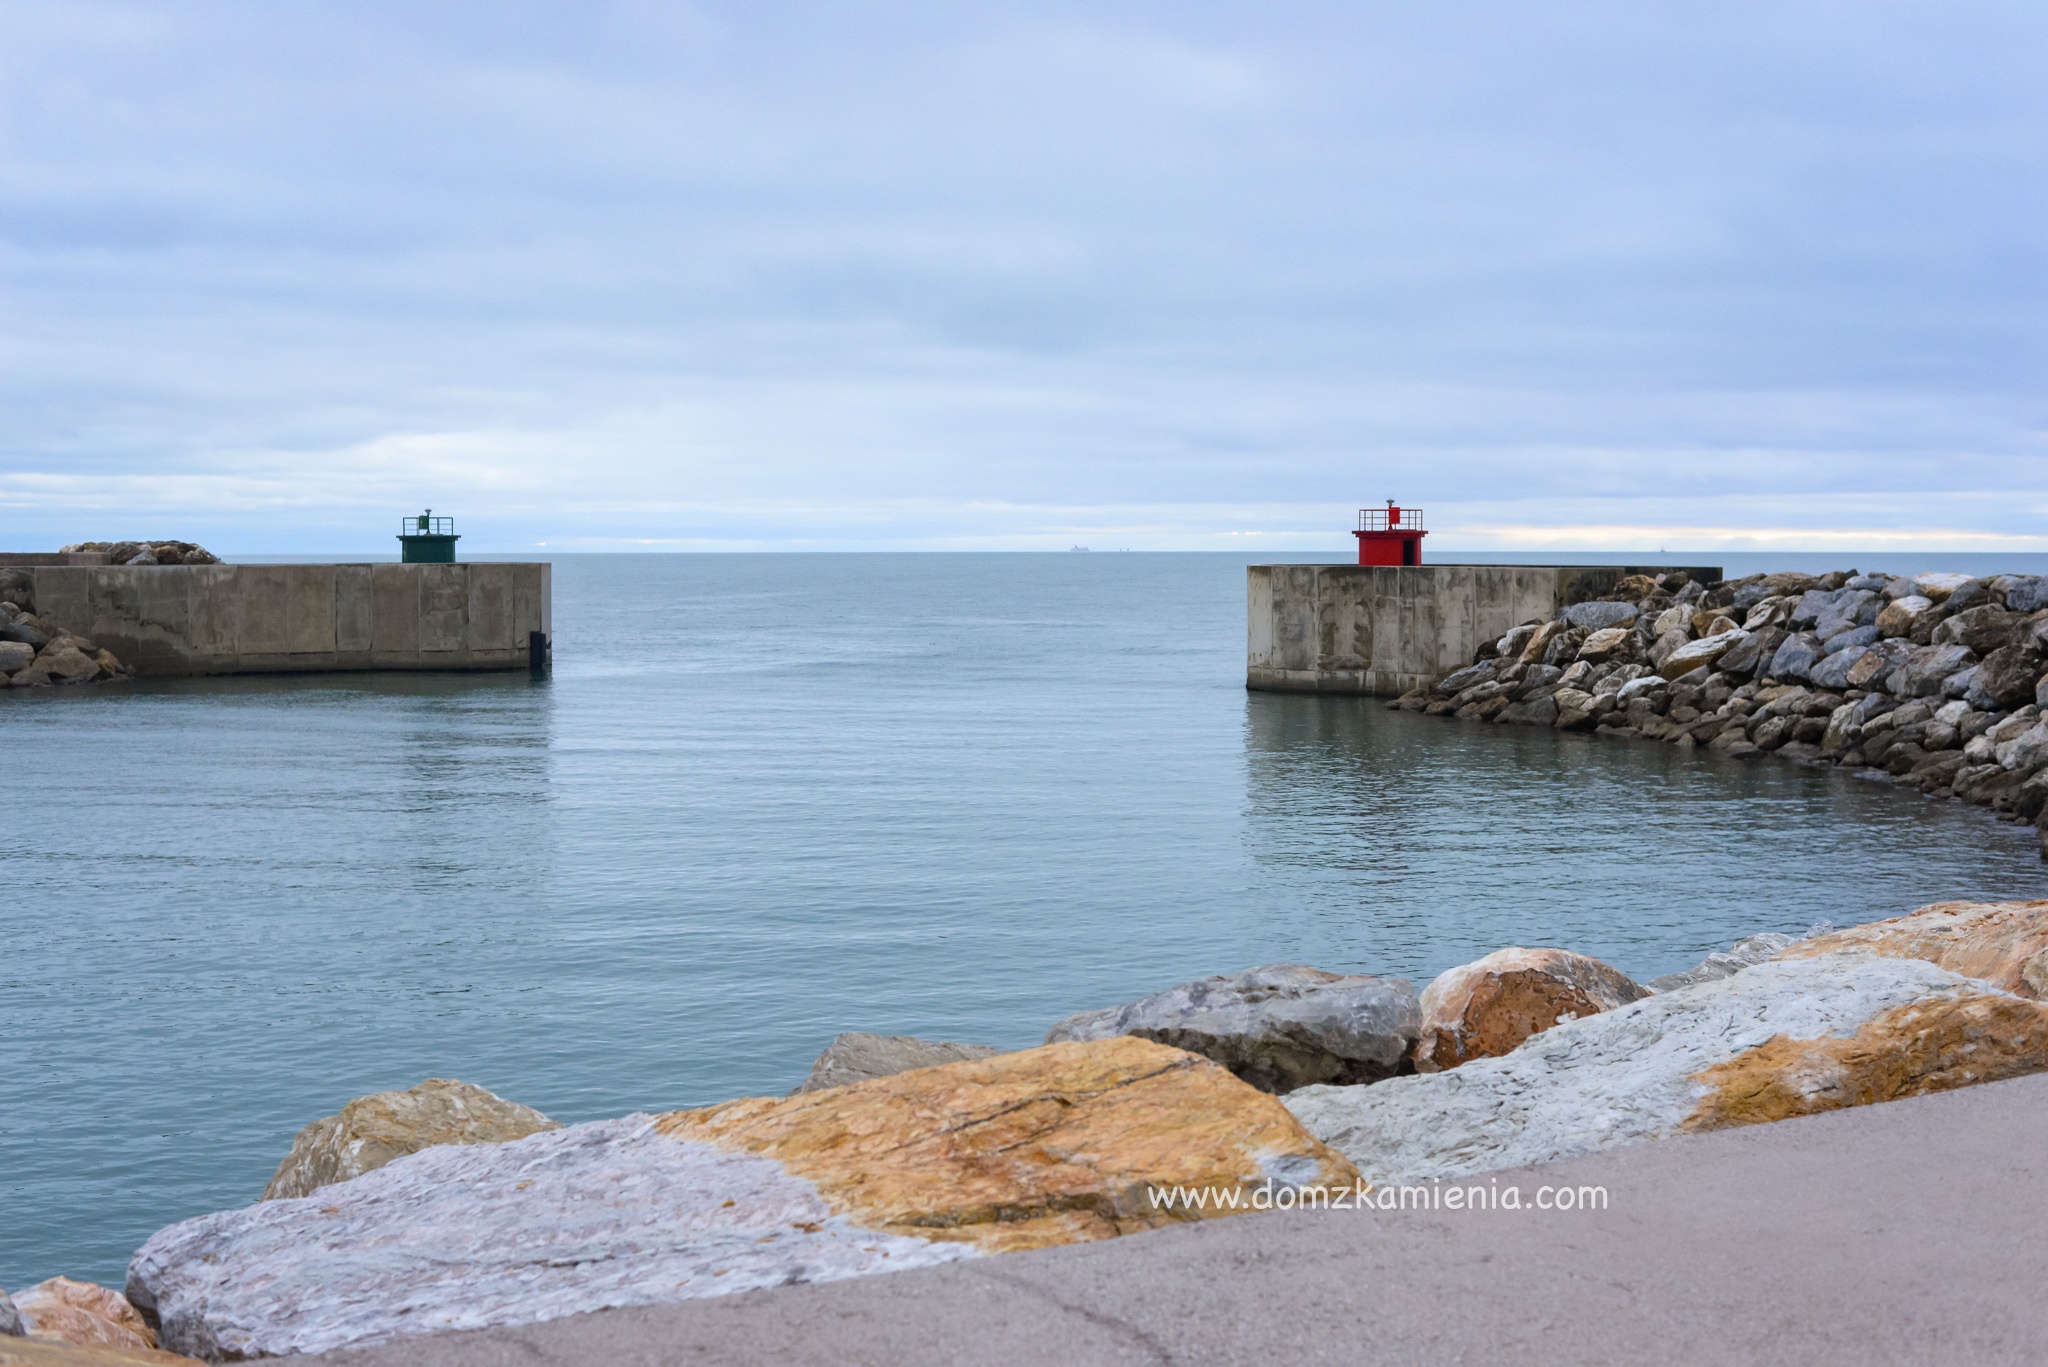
point(85, 1314)
point(1907, 1051)
point(1060, 1144)
point(1487, 1008)
point(2004, 943)
point(16, 1352)
point(373, 1130)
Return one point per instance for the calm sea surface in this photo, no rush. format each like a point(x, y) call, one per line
point(768, 798)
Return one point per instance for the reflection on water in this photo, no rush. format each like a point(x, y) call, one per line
point(768, 798)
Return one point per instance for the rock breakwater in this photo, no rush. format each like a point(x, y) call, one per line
point(34, 653)
point(491, 1215)
point(145, 552)
point(1935, 682)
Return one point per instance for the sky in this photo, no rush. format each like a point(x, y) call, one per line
point(1622, 276)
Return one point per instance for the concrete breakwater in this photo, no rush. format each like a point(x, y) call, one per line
point(1386, 629)
point(188, 619)
point(1936, 682)
point(444, 1207)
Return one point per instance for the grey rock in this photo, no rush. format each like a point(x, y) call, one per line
point(1598, 616)
point(1983, 629)
point(607, 1214)
point(1278, 1027)
point(1748, 656)
point(1876, 582)
point(2005, 678)
point(1458, 680)
point(2026, 592)
point(1538, 677)
point(1796, 658)
point(1959, 684)
point(1833, 670)
point(1849, 608)
point(1853, 636)
point(1922, 674)
point(1619, 1077)
point(1538, 711)
point(25, 634)
point(16, 655)
point(10, 1319)
point(856, 1057)
point(2027, 751)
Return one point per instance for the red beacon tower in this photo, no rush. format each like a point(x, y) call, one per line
point(1390, 537)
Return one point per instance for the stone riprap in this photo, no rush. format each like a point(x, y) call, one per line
point(1935, 682)
point(1053, 1145)
point(855, 1056)
point(1765, 1042)
point(145, 552)
point(373, 1130)
point(34, 653)
point(1487, 1008)
point(1278, 1027)
point(10, 1318)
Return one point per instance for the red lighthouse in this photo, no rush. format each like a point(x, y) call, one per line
point(1390, 537)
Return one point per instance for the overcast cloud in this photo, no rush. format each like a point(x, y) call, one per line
point(1569, 275)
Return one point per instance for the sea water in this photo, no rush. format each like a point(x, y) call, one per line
point(764, 799)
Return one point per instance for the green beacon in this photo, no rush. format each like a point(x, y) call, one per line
point(427, 540)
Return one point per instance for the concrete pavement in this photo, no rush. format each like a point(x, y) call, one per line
point(1915, 1232)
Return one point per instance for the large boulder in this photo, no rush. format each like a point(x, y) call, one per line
point(84, 1314)
point(16, 655)
point(1795, 657)
point(2005, 678)
point(1487, 1008)
point(372, 1130)
point(1693, 655)
point(856, 1057)
point(1982, 629)
point(1054, 1145)
point(1601, 616)
point(1902, 615)
point(10, 1318)
point(1939, 586)
point(2003, 943)
point(1922, 674)
point(67, 664)
point(1278, 1027)
point(1711, 1055)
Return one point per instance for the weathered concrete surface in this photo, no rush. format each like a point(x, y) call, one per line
point(261, 619)
point(1386, 629)
point(1905, 1233)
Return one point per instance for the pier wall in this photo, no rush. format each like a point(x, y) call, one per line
point(264, 619)
point(1384, 629)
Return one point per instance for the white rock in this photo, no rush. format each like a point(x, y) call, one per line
point(597, 1215)
point(2027, 750)
point(1621, 1077)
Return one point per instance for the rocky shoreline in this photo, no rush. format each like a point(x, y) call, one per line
point(36, 654)
point(1937, 682)
point(445, 1207)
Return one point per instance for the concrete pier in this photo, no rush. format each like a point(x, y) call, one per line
point(264, 619)
point(1384, 629)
